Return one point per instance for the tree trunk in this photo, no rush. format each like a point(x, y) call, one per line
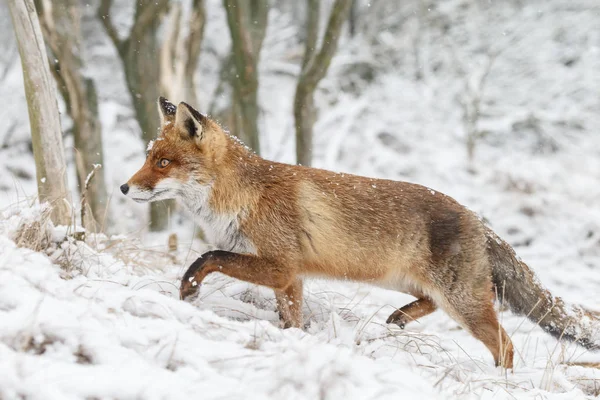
point(43, 111)
point(193, 45)
point(139, 54)
point(247, 22)
point(180, 54)
point(60, 21)
point(142, 73)
point(314, 67)
point(304, 115)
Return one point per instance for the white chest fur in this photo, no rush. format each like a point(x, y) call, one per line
point(221, 230)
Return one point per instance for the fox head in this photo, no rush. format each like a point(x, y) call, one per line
point(186, 152)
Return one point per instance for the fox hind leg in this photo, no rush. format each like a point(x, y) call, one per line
point(479, 318)
point(289, 304)
point(411, 312)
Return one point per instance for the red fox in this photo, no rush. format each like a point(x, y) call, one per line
point(277, 223)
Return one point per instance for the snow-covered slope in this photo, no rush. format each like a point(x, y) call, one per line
point(103, 320)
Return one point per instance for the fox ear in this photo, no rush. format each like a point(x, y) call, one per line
point(189, 122)
point(166, 110)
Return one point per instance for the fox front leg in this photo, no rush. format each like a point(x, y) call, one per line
point(246, 267)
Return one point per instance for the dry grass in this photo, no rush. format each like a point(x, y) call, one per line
point(35, 234)
point(80, 252)
point(584, 364)
point(133, 253)
point(587, 379)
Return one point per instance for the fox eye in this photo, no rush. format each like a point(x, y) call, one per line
point(163, 162)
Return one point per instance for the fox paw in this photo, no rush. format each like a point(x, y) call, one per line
point(398, 318)
point(286, 323)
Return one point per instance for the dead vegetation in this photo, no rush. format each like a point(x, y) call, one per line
point(76, 250)
point(35, 234)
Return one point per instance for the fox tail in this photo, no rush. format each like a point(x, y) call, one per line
point(518, 287)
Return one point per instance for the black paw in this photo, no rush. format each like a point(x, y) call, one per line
point(396, 318)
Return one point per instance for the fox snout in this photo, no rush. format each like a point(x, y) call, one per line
point(145, 187)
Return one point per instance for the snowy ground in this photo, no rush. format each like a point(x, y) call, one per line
point(101, 323)
point(102, 319)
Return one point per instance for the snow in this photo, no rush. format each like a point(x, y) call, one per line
point(115, 328)
point(112, 330)
point(103, 319)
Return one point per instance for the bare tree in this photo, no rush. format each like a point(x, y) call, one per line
point(470, 102)
point(61, 24)
point(247, 20)
point(419, 39)
point(314, 67)
point(43, 110)
point(180, 53)
point(139, 55)
point(353, 17)
point(475, 77)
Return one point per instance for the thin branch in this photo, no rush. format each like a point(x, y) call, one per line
point(195, 36)
point(317, 67)
point(312, 30)
point(103, 14)
point(353, 17)
point(224, 75)
point(314, 67)
point(84, 192)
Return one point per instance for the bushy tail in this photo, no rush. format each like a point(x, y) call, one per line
point(519, 288)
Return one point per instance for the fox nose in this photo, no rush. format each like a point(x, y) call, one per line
point(124, 188)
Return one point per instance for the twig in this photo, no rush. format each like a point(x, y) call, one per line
point(86, 186)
